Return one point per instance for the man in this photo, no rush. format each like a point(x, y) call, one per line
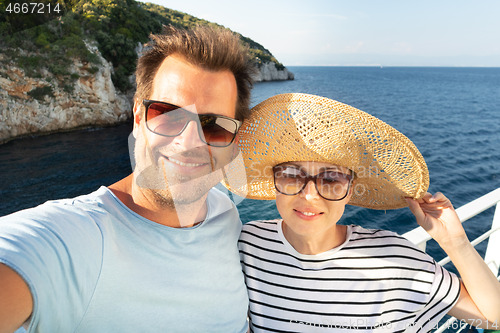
point(156, 251)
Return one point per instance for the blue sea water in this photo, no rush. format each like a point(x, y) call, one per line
point(451, 114)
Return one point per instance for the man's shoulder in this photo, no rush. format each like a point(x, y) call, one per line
point(216, 194)
point(53, 212)
point(219, 203)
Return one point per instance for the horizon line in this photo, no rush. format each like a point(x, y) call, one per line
point(384, 66)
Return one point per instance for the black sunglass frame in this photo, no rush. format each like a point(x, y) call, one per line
point(314, 179)
point(147, 103)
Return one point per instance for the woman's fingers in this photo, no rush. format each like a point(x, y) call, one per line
point(415, 208)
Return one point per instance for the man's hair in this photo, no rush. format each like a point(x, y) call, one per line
point(211, 48)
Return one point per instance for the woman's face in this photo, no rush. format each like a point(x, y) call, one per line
point(307, 214)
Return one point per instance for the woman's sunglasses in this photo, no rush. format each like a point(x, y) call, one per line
point(170, 120)
point(330, 184)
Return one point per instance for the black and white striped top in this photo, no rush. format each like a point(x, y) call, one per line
point(377, 281)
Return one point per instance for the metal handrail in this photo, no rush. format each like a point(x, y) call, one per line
point(492, 256)
point(420, 237)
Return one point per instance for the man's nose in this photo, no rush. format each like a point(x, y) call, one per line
point(190, 137)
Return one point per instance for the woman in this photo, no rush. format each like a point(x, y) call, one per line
point(305, 272)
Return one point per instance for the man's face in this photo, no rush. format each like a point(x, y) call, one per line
point(184, 162)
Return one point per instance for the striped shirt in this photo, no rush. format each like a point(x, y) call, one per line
point(376, 281)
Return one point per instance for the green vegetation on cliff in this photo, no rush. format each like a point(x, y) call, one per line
point(52, 38)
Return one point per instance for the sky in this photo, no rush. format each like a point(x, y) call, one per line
point(362, 32)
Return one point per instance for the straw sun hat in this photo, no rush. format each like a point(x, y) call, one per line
point(301, 127)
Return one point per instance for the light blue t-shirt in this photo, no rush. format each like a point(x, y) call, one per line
point(93, 265)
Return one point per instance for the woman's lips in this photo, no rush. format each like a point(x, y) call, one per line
point(307, 214)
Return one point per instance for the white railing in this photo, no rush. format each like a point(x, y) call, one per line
point(492, 256)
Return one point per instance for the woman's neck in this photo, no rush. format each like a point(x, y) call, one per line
point(316, 244)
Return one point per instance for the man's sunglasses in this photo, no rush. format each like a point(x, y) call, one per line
point(170, 120)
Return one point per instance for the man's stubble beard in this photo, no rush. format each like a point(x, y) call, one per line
point(180, 191)
point(171, 190)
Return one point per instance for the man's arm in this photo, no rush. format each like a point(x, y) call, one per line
point(16, 302)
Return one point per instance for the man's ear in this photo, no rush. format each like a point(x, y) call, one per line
point(137, 116)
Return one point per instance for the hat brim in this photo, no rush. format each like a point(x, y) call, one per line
point(302, 127)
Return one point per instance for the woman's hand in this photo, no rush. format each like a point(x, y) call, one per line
point(436, 215)
point(480, 299)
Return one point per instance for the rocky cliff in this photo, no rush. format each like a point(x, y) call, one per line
point(269, 72)
point(36, 105)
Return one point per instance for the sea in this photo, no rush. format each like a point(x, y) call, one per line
point(451, 114)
